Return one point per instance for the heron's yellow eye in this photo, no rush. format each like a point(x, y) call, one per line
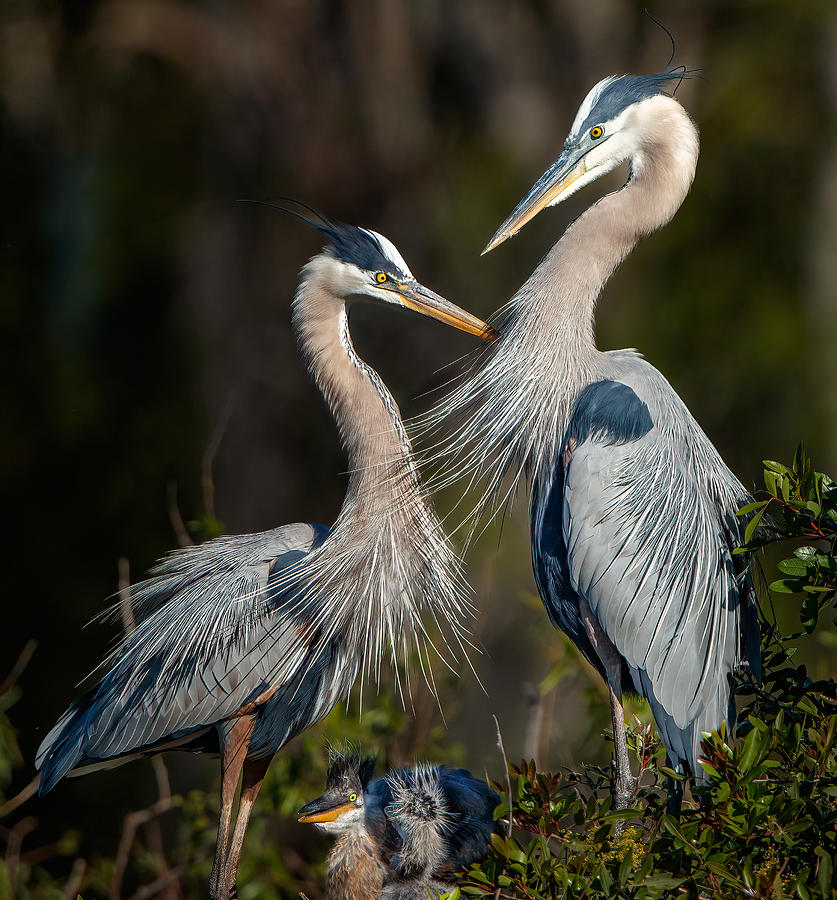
point(596, 132)
point(380, 277)
point(353, 797)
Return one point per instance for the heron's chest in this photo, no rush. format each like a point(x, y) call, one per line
point(354, 873)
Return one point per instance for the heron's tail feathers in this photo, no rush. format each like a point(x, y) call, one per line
point(419, 811)
point(80, 742)
point(63, 747)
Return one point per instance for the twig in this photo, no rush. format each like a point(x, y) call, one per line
point(125, 608)
point(506, 769)
point(39, 854)
point(73, 885)
point(13, 844)
point(17, 669)
point(158, 885)
point(21, 797)
point(171, 888)
point(161, 772)
point(164, 801)
point(129, 830)
point(176, 519)
point(536, 702)
point(208, 460)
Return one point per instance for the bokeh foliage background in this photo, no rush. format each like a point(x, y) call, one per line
point(145, 312)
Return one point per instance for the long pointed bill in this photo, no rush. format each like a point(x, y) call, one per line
point(567, 169)
point(316, 813)
point(422, 300)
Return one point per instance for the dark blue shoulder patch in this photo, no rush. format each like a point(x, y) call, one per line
point(610, 412)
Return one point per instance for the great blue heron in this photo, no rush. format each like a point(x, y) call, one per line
point(244, 641)
point(403, 836)
point(633, 511)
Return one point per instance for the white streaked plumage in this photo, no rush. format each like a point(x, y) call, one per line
point(242, 642)
point(632, 508)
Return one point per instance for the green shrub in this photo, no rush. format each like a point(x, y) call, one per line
point(764, 826)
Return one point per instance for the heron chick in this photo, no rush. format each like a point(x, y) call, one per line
point(244, 641)
point(401, 837)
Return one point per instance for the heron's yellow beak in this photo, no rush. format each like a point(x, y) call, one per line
point(325, 815)
point(422, 300)
point(558, 177)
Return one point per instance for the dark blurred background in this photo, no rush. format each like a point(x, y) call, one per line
point(148, 366)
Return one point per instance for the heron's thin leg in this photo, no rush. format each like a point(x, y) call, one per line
point(251, 782)
point(234, 749)
point(674, 803)
point(624, 783)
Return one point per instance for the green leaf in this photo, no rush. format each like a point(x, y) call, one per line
point(621, 815)
point(786, 586)
point(624, 869)
point(809, 613)
point(793, 566)
point(478, 875)
point(753, 524)
point(774, 466)
point(500, 844)
point(751, 507)
point(825, 871)
point(664, 882)
point(669, 823)
point(750, 753)
point(718, 869)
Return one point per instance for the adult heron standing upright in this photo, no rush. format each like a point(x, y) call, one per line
point(633, 511)
point(244, 641)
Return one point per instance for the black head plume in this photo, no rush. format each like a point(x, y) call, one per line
point(614, 95)
point(348, 243)
point(349, 769)
point(668, 34)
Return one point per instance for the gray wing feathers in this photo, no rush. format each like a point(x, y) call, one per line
point(646, 529)
point(208, 637)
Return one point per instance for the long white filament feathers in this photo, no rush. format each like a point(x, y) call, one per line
point(385, 582)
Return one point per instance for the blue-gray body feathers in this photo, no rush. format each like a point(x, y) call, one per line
point(427, 823)
point(633, 511)
point(275, 627)
point(451, 801)
point(638, 519)
point(212, 633)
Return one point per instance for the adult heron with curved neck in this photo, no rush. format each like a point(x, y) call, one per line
point(633, 511)
point(244, 641)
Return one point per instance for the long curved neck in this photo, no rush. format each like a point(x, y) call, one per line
point(386, 557)
point(571, 277)
point(366, 415)
point(518, 403)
